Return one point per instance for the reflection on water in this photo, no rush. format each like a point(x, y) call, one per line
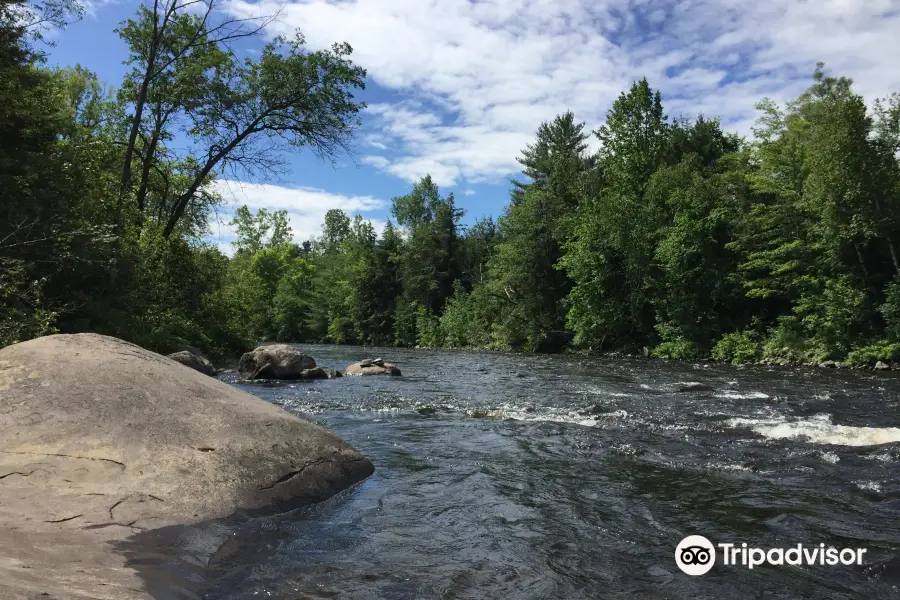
point(506, 476)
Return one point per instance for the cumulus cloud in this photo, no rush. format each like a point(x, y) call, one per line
point(479, 76)
point(306, 207)
point(379, 162)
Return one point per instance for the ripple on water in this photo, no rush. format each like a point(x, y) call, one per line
point(509, 476)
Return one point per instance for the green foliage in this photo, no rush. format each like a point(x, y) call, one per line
point(533, 231)
point(405, 322)
point(785, 341)
point(85, 246)
point(678, 349)
point(429, 262)
point(21, 314)
point(694, 298)
point(867, 356)
point(610, 256)
point(240, 115)
point(255, 232)
point(890, 310)
point(672, 233)
point(376, 287)
point(428, 330)
point(456, 322)
point(738, 347)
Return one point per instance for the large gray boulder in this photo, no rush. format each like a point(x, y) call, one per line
point(193, 361)
point(103, 441)
point(278, 361)
point(372, 366)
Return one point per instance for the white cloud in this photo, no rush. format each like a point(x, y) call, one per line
point(378, 162)
point(478, 77)
point(306, 207)
point(374, 141)
point(469, 192)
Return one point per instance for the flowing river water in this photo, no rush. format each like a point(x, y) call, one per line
point(513, 476)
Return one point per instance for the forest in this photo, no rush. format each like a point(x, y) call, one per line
point(675, 235)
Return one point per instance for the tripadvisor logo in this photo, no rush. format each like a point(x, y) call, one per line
point(696, 555)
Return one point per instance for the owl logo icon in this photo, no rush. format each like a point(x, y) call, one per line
point(695, 555)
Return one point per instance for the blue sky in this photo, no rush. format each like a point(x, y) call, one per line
point(456, 88)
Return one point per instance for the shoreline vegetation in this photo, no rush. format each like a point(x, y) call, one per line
point(675, 236)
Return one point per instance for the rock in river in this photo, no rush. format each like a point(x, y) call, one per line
point(692, 386)
point(278, 361)
point(195, 362)
point(103, 441)
point(375, 366)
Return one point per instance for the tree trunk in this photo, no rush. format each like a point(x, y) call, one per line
point(894, 256)
point(148, 163)
point(185, 199)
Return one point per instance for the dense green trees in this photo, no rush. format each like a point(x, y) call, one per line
point(102, 221)
point(678, 236)
point(674, 235)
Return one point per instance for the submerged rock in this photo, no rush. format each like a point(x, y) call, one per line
point(195, 362)
point(692, 386)
point(369, 367)
point(316, 373)
point(103, 440)
point(597, 409)
point(277, 361)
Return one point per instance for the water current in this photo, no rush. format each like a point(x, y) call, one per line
point(526, 477)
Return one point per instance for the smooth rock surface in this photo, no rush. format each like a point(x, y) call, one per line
point(193, 361)
point(188, 348)
point(368, 367)
point(103, 441)
point(881, 366)
point(314, 373)
point(275, 361)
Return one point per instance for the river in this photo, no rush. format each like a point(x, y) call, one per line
point(526, 477)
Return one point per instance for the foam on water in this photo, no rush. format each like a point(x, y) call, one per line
point(831, 457)
point(885, 457)
point(722, 466)
point(868, 486)
point(819, 430)
point(730, 395)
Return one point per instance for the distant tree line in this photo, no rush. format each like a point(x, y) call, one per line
point(675, 235)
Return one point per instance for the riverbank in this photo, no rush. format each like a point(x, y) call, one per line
point(772, 362)
point(790, 359)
